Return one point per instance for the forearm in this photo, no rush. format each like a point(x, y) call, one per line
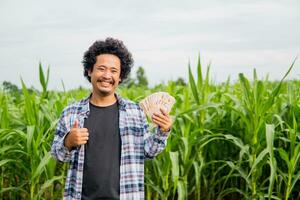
point(59, 151)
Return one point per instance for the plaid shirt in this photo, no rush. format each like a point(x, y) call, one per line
point(136, 146)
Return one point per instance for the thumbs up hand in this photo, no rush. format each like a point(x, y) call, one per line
point(75, 125)
point(76, 137)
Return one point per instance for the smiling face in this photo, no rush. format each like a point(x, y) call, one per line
point(105, 74)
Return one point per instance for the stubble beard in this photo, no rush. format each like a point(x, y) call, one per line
point(104, 92)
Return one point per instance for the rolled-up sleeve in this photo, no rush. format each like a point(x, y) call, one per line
point(58, 149)
point(153, 143)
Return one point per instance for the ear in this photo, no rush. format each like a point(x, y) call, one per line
point(89, 72)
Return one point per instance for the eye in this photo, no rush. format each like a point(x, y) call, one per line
point(114, 70)
point(101, 69)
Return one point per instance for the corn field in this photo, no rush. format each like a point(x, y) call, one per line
point(229, 141)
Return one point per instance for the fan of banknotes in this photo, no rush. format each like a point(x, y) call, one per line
point(152, 103)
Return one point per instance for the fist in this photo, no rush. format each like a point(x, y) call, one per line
point(163, 120)
point(76, 137)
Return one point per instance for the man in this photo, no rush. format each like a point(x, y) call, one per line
point(105, 137)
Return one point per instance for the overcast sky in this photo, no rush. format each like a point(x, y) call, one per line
point(235, 36)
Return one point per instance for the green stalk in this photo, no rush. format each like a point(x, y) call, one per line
point(2, 181)
point(32, 191)
point(254, 179)
point(288, 187)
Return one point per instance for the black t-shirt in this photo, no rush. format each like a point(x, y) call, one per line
point(101, 172)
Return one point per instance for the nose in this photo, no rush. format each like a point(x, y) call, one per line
point(107, 74)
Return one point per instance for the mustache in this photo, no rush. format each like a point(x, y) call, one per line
point(106, 80)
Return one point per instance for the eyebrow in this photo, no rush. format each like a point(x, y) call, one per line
point(107, 67)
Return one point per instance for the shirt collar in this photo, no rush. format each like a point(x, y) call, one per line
point(85, 108)
point(121, 102)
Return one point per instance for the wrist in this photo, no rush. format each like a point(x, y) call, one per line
point(164, 130)
point(67, 143)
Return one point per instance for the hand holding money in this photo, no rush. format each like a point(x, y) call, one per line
point(157, 107)
point(163, 120)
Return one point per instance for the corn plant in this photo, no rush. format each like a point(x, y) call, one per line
point(229, 140)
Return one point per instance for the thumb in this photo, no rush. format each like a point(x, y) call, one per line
point(75, 125)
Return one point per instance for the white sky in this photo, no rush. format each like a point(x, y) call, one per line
point(235, 36)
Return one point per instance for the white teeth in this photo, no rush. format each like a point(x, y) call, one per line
point(105, 83)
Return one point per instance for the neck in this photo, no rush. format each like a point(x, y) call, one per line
point(102, 101)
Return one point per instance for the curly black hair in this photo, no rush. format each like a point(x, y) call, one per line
point(108, 46)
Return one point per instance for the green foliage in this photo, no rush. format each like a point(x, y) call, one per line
point(140, 80)
point(229, 141)
point(10, 87)
point(141, 77)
